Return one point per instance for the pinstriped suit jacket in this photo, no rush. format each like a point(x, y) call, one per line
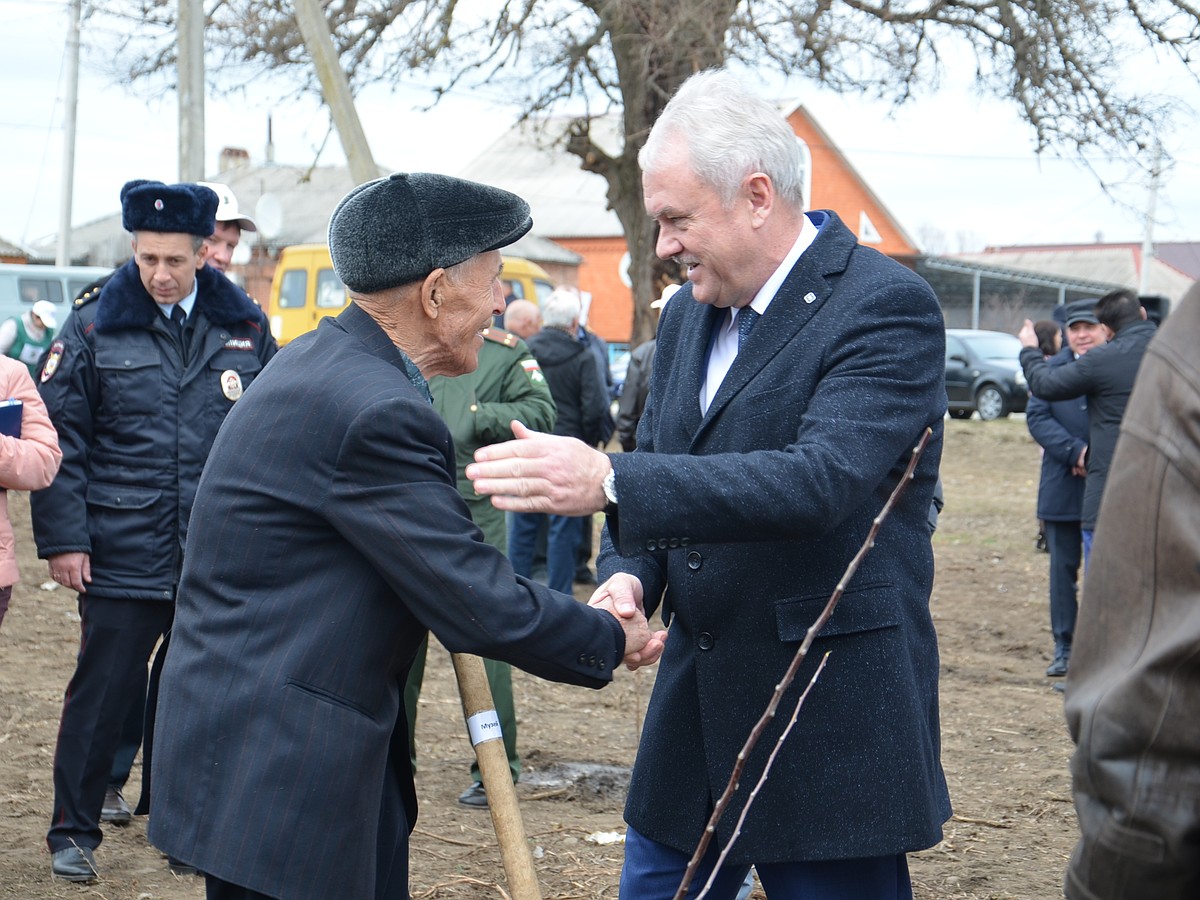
point(327, 536)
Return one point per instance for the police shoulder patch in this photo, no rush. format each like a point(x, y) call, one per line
point(53, 359)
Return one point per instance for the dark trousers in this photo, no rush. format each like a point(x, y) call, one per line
point(131, 740)
point(654, 871)
point(1065, 543)
point(216, 889)
point(116, 640)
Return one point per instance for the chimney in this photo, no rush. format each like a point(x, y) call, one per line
point(233, 158)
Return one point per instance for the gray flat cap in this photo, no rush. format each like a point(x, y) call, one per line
point(398, 229)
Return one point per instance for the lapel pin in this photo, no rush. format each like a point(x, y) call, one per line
point(810, 297)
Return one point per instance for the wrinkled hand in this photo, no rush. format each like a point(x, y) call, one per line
point(542, 473)
point(71, 570)
point(1027, 335)
point(621, 595)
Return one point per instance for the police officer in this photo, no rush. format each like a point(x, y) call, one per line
point(479, 408)
point(137, 384)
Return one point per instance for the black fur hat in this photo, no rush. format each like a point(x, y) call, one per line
point(398, 229)
point(171, 208)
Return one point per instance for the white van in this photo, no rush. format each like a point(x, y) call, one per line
point(22, 285)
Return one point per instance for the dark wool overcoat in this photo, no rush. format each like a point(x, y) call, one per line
point(747, 516)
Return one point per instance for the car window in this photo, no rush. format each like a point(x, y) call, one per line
point(331, 293)
point(1005, 347)
point(954, 347)
point(292, 289)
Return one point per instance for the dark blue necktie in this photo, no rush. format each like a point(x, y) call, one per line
point(745, 321)
point(177, 318)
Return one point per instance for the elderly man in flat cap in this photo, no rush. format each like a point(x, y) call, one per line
point(317, 565)
point(137, 383)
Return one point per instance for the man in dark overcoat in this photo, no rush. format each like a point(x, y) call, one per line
point(318, 563)
point(793, 376)
point(1061, 429)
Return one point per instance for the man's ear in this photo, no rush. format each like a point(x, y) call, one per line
point(202, 255)
point(760, 193)
point(432, 290)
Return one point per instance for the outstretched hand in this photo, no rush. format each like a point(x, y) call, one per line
point(621, 596)
point(1027, 336)
point(543, 473)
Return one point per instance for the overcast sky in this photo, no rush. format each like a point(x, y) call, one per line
point(957, 172)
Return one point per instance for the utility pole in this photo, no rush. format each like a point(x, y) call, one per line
point(62, 254)
point(190, 74)
point(1148, 230)
point(335, 88)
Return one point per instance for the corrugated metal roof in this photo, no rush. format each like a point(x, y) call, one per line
point(1115, 264)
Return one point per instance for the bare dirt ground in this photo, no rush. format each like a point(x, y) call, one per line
point(1004, 744)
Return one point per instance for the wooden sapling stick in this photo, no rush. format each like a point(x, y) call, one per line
point(781, 688)
point(484, 727)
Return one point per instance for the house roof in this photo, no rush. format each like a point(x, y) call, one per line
point(1112, 263)
point(530, 161)
point(305, 198)
point(8, 249)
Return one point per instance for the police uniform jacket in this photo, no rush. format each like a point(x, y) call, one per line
point(747, 516)
point(136, 415)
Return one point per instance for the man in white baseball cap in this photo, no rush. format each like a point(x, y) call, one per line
point(231, 222)
point(27, 336)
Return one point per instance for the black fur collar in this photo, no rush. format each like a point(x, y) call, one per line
point(125, 303)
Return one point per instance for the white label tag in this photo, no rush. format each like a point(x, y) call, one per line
point(484, 726)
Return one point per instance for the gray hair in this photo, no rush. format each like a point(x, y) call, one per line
point(561, 309)
point(729, 133)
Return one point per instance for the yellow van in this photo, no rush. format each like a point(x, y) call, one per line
point(305, 288)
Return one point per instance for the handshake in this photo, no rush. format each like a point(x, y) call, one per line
point(621, 596)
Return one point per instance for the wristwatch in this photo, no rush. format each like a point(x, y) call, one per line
point(610, 487)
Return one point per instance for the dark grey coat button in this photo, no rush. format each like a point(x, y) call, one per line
point(694, 560)
point(650, 544)
point(705, 641)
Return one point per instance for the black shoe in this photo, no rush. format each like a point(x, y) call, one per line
point(585, 576)
point(115, 810)
point(475, 796)
point(74, 864)
point(1060, 686)
point(179, 867)
point(1057, 669)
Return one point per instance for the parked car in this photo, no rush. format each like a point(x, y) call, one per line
point(619, 366)
point(983, 374)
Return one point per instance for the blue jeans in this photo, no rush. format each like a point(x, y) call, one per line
point(561, 544)
point(654, 871)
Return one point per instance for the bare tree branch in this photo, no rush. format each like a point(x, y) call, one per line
point(788, 677)
point(1057, 61)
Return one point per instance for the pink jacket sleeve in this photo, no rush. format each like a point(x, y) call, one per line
point(30, 462)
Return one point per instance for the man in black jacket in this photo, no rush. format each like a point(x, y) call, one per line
point(582, 401)
point(1105, 376)
point(137, 383)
